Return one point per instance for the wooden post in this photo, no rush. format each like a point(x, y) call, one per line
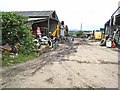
point(48, 26)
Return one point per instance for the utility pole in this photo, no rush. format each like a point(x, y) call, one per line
point(81, 27)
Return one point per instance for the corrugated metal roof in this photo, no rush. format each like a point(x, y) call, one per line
point(39, 14)
point(35, 13)
point(32, 19)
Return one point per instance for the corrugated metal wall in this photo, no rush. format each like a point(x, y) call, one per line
point(119, 6)
point(53, 25)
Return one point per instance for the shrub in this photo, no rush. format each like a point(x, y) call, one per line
point(79, 33)
point(14, 30)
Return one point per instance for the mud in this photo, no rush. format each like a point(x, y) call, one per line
point(81, 64)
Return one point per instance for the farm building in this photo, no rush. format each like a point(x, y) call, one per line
point(113, 23)
point(45, 20)
point(112, 26)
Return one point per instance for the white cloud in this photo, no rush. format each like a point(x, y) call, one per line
point(92, 13)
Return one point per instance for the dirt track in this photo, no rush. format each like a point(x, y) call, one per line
point(85, 65)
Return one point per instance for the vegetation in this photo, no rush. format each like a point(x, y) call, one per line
point(71, 33)
point(79, 33)
point(14, 30)
point(76, 33)
point(18, 59)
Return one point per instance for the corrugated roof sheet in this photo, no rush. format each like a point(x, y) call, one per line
point(32, 19)
point(35, 13)
point(39, 14)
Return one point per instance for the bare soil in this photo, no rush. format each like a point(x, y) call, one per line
point(82, 64)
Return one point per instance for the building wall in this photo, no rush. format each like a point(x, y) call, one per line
point(119, 6)
point(53, 25)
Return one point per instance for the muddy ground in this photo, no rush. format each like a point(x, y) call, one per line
point(82, 64)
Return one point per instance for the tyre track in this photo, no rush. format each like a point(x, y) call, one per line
point(76, 75)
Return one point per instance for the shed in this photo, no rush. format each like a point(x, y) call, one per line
point(46, 20)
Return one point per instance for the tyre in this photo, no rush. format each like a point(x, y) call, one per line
point(103, 42)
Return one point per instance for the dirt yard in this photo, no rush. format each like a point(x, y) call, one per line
point(83, 64)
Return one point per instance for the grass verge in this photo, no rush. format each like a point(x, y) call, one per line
point(8, 61)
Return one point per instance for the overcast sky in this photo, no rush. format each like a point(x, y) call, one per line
point(91, 13)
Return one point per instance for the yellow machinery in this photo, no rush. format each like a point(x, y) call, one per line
point(98, 35)
point(56, 32)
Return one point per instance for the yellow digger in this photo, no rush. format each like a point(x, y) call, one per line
point(56, 32)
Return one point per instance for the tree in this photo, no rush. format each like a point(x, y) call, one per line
point(14, 30)
point(79, 33)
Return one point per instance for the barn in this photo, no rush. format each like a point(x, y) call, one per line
point(45, 20)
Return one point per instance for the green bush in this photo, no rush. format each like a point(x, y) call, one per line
point(79, 33)
point(14, 30)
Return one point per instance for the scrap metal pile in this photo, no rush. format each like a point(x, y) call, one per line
point(59, 35)
point(11, 48)
point(112, 31)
